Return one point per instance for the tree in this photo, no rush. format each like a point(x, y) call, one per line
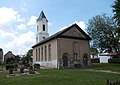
point(17, 58)
point(116, 10)
point(29, 55)
point(26, 58)
point(102, 30)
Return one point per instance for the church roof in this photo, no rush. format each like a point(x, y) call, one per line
point(59, 35)
point(42, 15)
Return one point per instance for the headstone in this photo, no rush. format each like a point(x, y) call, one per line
point(21, 70)
point(10, 70)
point(31, 70)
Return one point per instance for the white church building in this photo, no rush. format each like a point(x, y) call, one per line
point(68, 48)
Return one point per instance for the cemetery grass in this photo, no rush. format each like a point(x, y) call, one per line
point(60, 77)
point(106, 66)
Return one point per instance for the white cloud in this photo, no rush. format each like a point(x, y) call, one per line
point(32, 21)
point(9, 34)
point(22, 43)
point(63, 28)
point(21, 27)
point(8, 18)
point(4, 34)
point(81, 24)
point(7, 15)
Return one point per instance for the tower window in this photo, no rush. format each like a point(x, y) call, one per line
point(43, 27)
point(43, 37)
point(37, 27)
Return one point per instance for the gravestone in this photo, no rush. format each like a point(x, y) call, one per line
point(31, 70)
point(10, 70)
point(21, 70)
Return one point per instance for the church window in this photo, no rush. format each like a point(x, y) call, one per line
point(49, 49)
point(42, 54)
point(39, 54)
point(37, 39)
point(43, 37)
point(75, 50)
point(45, 53)
point(36, 54)
point(37, 27)
point(75, 56)
point(43, 27)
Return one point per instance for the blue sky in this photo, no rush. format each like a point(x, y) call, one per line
point(18, 19)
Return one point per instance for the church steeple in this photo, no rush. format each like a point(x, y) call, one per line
point(42, 15)
point(42, 27)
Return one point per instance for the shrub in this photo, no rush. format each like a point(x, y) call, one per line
point(15, 66)
point(96, 60)
point(115, 56)
point(37, 66)
point(114, 60)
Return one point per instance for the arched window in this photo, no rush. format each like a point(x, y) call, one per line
point(37, 39)
point(36, 54)
point(39, 54)
point(75, 50)
point(42, 54)
point(43, 27)
point(45, 53)
point(49, 50)
point(37, 27)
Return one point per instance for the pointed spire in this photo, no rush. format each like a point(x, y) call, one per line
point(42, 15)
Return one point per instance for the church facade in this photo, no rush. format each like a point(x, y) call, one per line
point(66, 48)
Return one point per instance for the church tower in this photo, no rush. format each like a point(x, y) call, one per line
point(42, 28)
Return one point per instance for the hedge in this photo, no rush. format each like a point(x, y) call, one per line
point(96, 60)
point(114, 60)
point(11, 66)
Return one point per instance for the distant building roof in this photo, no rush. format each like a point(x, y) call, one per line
point(1, 49)
point(42, 15)
point(9, 52)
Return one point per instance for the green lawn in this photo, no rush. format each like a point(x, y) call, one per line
point(106, 66)
point(61, 77)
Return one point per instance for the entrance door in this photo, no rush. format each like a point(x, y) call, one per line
point(85, 60)
point(65, 60)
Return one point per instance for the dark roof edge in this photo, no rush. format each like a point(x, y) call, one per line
point(56, 35)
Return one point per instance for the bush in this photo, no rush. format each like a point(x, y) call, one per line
point(115, 56)
point(26, 66)
point(114, 60)
point(96, 60)
point(15, 66)
point(37, 66)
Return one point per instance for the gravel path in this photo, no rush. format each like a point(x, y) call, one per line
point(106, 71)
